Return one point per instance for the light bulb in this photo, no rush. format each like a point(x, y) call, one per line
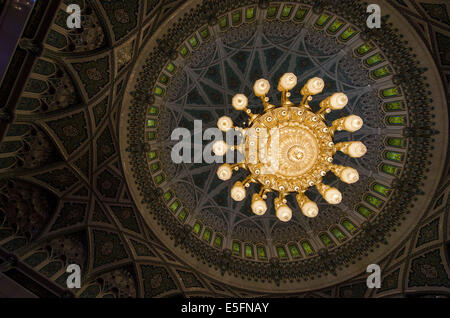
point(315, 85)
point(259, 206)
point(357, 149)
point(353, 123)
point(240, 102)
point(310, 209)
point(287, 82)
point(220, 148)
point(261, 87)
point(224, 172)
point(238, 192)
point(349, 175)
point(225, 123)
point(284, 213)
point(338, 101)
point(333, 196)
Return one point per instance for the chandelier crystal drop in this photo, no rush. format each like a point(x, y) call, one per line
point(302, 154)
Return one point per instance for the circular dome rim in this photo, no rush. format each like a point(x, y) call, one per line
point(429, 186)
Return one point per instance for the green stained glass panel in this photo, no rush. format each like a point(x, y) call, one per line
point(223, 22)
point(171, 67)
point(236, 248)
point(261, 252)
point(218, 241)
point(396, 120)
point(294, 251)
point(373, 201)
point(152, 155)
point(390, 169)
point(394, 106)
point(248, 251)
point(155, 166)
point(207, 235)
point(250, 13)
point(159, 179)
point(236, 17)
point(348, 34)
point(159, 91)
point(365, 212)
point(174, 206)
point(168, 195)
point(382, 72)
point(197, 228)
point(381, 189)
point(281, 252)
point(391, 92)
point(396, 142)
point(338, 234)
point(184, 51)
point(193, 41)
point(204, 33)
point(394, 156)
point(336, 26)
point(151, 135)
point(307, 248)
point(326, 240)
point(349, 226)
point(287, 9)
point(153, 110)
point(151, 123)
point(374, 59)
point(272, 11)
point(365, 48)
point(323, 19)
point(183, 215)
point(301, 14)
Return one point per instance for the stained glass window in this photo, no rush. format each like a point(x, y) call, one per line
point(323, 19)
point(183, 215)
point(174, 206)
point(286, 12)
point(394, 156)
point(307, 248)
point(390, 169)
point(272, 12)
point(374, 59)
point(365, 48)
point(261, 252)
point(365, 212)
point(394, 106)
point(381, 189)
point(295, 252)
point(348, 34)
point(336, 26)
point(396, 120)
point(338, 234)
point(349, 226)
point(236, 248)
point(218, 241)
point(326, 240)
point(236, 17)
point(250, 15)
point(396, 142)
point(207, 235)
point(391, 92)
point(248, 251)
point(301, 14)
point(281, 252)
point(168, 195)
point(374, 201)
point(197, 228)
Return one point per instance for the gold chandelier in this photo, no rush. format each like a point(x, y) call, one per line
point(302, 154)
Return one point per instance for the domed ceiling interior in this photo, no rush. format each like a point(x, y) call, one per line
point(86, 174)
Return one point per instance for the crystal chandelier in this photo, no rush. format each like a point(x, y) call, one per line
point(302, 154)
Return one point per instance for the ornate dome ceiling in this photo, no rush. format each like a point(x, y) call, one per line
point(102, 107)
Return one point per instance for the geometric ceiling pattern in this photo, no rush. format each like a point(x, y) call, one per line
point(68, 195)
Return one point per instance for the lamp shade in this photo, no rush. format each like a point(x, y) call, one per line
point(240, 102)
